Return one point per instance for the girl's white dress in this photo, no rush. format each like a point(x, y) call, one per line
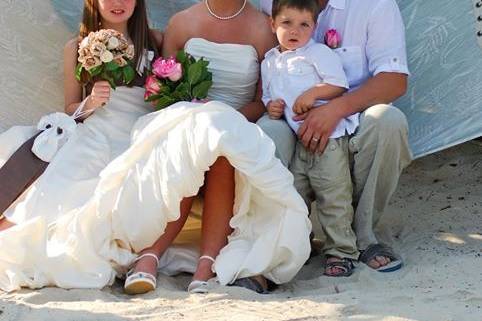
point(111, 190)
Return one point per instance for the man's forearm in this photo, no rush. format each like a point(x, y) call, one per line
point(326, 92)
point(383, 88)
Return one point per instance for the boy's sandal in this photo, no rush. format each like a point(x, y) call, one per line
point(345, 265)
point(251, 283)
point(378, 249)
point(140, 282)
point(198, 286)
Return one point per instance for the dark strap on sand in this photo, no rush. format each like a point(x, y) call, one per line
point(18, 173)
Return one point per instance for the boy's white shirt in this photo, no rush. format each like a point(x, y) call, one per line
point(286, 75)
point(372, 33)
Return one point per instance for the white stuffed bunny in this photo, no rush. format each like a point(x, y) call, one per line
point(57, 128)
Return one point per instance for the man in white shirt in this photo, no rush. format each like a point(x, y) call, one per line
point(374, 59)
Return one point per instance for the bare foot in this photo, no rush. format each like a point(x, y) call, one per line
point(203, 270)
point(345, 268)
point(262, 280)
point(378, 262)
point(333, 271)
point(147, 264)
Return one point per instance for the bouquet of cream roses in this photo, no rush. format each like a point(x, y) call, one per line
point(178, 79)
point(106, 55)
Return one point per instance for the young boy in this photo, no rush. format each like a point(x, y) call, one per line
point(298, 75)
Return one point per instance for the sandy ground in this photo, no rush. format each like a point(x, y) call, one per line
point(434, 221)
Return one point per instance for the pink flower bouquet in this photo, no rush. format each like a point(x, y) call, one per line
point(107, 55)
point(177, 79)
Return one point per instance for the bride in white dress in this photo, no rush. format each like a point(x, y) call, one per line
point(93, 236)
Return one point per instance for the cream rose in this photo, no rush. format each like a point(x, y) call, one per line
point(113, 43)
point(106, 56)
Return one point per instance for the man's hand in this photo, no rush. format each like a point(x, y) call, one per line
point(276, 108)
point(304, 102)
point(319, 123)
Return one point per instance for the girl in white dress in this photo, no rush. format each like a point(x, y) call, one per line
point(107, 117)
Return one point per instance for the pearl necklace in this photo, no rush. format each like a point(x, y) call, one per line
point(228, 17)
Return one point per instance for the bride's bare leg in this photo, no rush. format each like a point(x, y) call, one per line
point(217, 212)
point(148, 264)
point(4, 224)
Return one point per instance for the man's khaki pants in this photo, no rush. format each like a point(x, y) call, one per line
point(378, 151)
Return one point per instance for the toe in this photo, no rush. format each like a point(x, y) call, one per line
point(374, 264)
point(382, 260)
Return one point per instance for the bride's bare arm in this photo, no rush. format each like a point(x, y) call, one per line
point(263, 40)
point(175, 35)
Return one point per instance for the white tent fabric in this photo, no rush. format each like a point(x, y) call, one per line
point(444, 100)
point(443, 104)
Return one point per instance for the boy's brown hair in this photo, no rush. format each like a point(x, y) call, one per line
point(309, 5)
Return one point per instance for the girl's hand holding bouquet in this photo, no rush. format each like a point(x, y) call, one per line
point(178, 79)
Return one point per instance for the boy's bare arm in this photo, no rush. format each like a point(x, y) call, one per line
point(321, 91)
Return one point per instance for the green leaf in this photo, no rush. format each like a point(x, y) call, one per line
point(206, 75)
point(181, 56)
point(106, 76)
point(153, 97)
point(201, 90)
point(129, 74)
point(203, 62)
point(165, 101)
point(78, 71)
point(117, 75)
point(182, 92)
point(194, 73)
point(111, 66)
point(96, 70)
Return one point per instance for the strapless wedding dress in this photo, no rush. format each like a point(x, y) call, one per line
point(87, 232)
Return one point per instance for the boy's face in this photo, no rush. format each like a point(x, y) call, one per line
point(293, 28)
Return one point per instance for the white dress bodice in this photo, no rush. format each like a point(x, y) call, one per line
point(235, 70)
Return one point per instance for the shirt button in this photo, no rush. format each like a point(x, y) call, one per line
point(395, 59)
point(344, 49)
point(332, 147)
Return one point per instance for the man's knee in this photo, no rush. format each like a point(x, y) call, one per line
point(386, 119)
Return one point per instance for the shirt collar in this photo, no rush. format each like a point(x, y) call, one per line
point(337, 4)
point(275, 50)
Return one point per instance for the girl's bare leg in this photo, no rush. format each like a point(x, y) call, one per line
point(148, 264)
point(217, 212)
point(4, 224)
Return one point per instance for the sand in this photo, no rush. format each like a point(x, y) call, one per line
point(434, 221)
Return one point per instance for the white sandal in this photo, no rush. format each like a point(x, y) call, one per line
point(140, 282)
point(198, 286)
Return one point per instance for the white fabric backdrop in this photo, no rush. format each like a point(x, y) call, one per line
point(443, 104)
